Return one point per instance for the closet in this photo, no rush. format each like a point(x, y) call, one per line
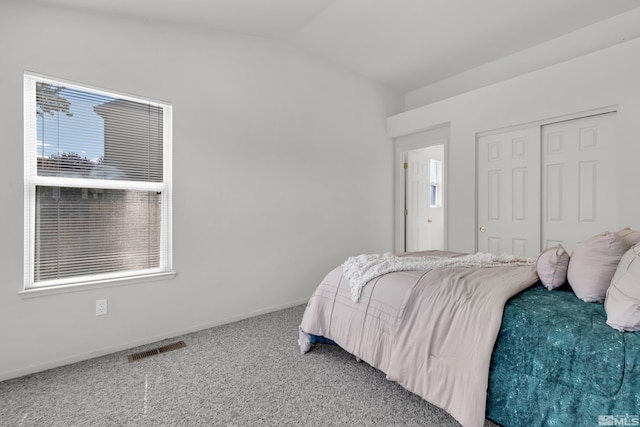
point(544, 185)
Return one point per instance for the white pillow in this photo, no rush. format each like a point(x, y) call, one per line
point(551, 265)
point(593, 264)
point(623, 296)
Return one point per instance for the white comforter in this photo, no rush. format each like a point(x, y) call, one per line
point(432, 331)
point(360, 269)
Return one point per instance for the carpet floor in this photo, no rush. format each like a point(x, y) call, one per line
point(247, 373)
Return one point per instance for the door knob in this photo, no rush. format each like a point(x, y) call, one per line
point(429, 220)
point(483, 229)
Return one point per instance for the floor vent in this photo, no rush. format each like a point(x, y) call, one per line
point(159, 350)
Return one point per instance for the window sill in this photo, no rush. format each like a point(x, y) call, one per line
point(99, 284)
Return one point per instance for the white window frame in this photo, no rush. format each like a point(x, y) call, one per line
point(31, 180)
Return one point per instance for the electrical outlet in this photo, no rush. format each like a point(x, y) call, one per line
point(101, 307)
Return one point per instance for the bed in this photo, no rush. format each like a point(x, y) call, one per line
point(557, 363)
point(484, 342)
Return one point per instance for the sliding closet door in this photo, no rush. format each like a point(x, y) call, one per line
point(509, 192)
point(578, 179)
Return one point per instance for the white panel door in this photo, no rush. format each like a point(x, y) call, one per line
point(424, 227)
point(578, 179)
point(509, 192)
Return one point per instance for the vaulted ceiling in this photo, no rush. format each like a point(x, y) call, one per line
point(404, 44)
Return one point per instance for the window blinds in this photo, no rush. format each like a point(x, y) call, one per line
point(98, 172)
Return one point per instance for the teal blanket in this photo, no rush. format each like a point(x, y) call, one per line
point(557, 363)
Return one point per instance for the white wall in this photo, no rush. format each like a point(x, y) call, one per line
point(597, 36)
point(282, 169)
point(604, 78)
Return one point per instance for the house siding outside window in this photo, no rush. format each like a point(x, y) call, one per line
point(98, 185)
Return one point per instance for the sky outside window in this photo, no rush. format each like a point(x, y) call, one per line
point(81, 132)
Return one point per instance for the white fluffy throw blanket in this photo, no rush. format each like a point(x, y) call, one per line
point(362, 268)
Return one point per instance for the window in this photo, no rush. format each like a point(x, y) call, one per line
point(435, 174)
point(97, 185)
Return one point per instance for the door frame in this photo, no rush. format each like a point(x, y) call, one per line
point(402, 145)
